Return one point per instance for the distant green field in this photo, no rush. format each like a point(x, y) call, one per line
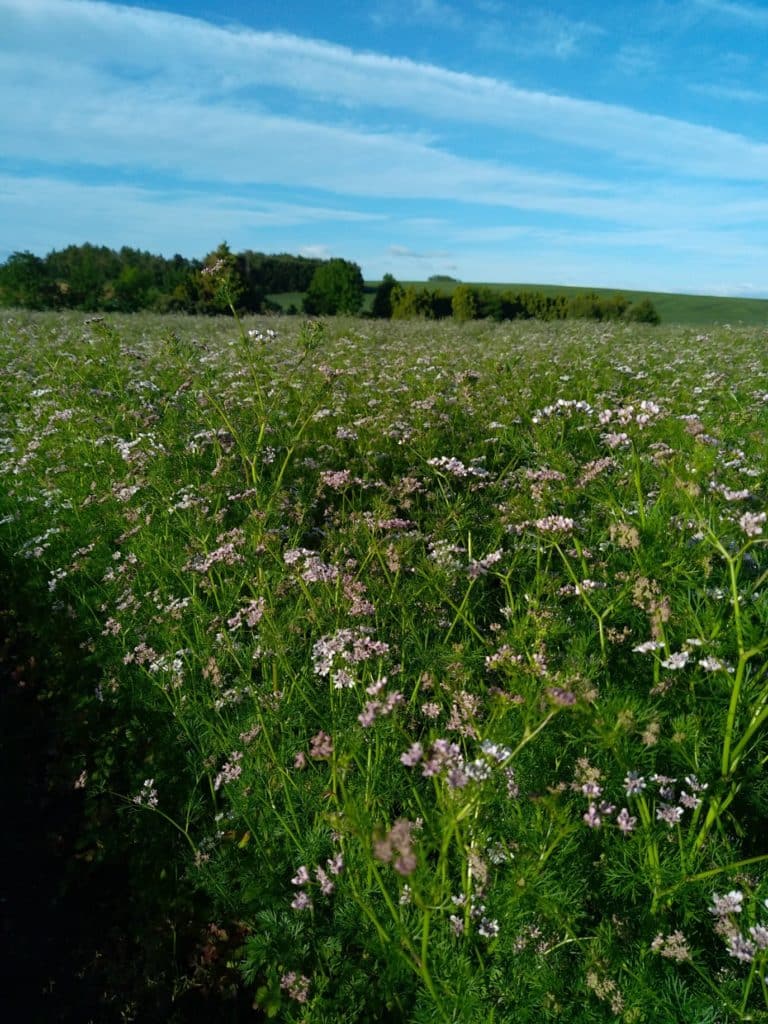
point(287, 299)
point(673, 309)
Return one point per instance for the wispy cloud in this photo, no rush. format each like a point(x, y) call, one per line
point(751, 14)
point(405, 252)
point(437, 14)
point(122, 214)
point(544, 33)
point(730, 92)
point(690, 239)
point(636, 59)
point(318, 252)
point(138, 125)
point(530, 31)
point(157, 50)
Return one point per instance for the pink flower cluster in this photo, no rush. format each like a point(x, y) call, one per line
point(396, 848)
point(251, 614)
point(296, 987)
point(148, 795)
point(334, 655)
point(379, 708)
point(323, 878)
point(725, 910)
point(669, 810)
point(231, 770)
point(455, 467)
point(445, 759)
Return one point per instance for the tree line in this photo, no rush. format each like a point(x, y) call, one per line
point(475, 302)
point(95, 278)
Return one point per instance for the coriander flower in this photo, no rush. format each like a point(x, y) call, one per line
point(722, 906)
point(592, 818)
point(647, 647)
point(624, 822)
point(634, 783)
point(676, 661)
point(752, 523)
point(669, 814)
point(488, 928)
point(741, 949)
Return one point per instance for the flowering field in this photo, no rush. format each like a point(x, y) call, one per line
point(422, 666)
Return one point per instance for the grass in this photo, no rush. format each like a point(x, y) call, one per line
point(426, 674)
point(288, 300)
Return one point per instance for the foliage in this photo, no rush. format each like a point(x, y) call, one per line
point(464, 304)
point(642, 312)
point(25, 282)
point(278, 273)
point(431, 676)
point(471, 302)
point(336, 287)
point(591, 306)
point(382, 300)
point(410, 301)
point(95, 278)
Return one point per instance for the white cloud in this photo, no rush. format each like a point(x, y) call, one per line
point(134, 57)
point(536, 33)
point(122, 214)
point(130, 98)
point(751, 14)
point(730, 92)
point(435, 13)
point(656, 239)
point(636, 59)
point(317, 252)
point(404, 252)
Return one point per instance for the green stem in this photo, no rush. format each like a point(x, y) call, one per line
point(528, 736)
point(460, 611)
point(748, 985)
point(638, 485)
point(167, 817)
point(582, 594)
point(754, 725)
point(721, 999)
point(730, 724)
point(652, 851)
point(460, 615)
point(702, 875)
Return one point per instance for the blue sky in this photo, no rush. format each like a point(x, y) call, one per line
point(621, 145)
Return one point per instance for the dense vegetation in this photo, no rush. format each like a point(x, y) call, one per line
point(96, 279)
point(473, 302)
point(410, 672)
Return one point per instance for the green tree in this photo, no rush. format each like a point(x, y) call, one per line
point(83, 275)
point(464, 302)
point(411, 302)
point(130, 289)
point(24, 281)
point(382, 300)
point(642, 312)
point(586, 306)
point(616, 306)
point(336, 287)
